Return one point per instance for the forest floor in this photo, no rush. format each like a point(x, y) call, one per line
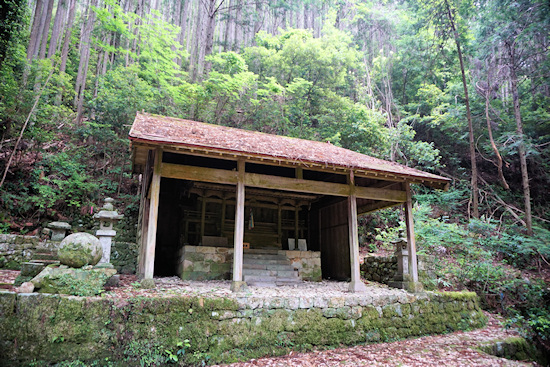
point(449, 350)
point(455, 349)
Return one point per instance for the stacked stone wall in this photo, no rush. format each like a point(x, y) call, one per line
point(46, 329)
point(382, 269)
point(17, 249)
point(124, 257)
point(208, 263)
point(308, 264)
point(205, 263)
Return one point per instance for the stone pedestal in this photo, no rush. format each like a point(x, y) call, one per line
point(105, 239)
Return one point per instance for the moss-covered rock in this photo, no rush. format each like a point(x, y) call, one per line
point(79, 249)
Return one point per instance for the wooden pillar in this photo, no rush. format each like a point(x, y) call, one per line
point(149, 258)
point(238, 283)
point(144, 212)
point(413, 268)
point(356, 285)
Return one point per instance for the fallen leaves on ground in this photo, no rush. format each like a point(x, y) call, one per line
point(451, 350)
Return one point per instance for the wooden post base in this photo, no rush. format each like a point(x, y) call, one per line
point(357, 286)
point(238, 286)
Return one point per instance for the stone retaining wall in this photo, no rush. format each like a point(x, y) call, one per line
point(124, 257)
point(45, 329)
point(17, 249)
point(208, 263)
point(382, 269)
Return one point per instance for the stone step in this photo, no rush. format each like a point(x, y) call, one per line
point(31, 269)
point(44, 256)
point(258, 272)
point(46, 262)
point(260, 251)
point(290, 273)
point(264, 256)
point(267, 266)
point(259, 278)
point(265, 261)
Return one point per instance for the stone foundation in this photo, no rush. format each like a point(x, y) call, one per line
point(46, 329)
point(209, 263)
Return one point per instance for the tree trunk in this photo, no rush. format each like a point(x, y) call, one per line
point(521, 146)
point(195, 66)
point(32, 49)
point(80, 84)
point(475, 194)
point(67, 40)
point(258, 20)
point(227, 43)
point(238, 29)
point(57, 24)
point(487, 94)
point(211, 12)
point(46, 30)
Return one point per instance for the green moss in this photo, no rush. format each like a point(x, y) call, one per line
point(12, 265)
point(53, 327)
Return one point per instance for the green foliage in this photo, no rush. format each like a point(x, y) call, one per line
point(477, 256)
point(144, 352)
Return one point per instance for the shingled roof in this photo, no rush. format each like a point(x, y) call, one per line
point(153, 129)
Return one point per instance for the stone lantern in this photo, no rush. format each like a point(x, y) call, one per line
point(59, 230)
point(402, 277)
point(107, 217)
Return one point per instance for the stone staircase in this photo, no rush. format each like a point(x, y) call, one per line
point(39, 261)
point(268, 268)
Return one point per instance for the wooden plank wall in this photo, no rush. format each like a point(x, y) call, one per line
point(334, 241)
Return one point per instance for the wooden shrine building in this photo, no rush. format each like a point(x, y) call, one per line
point(213, 186)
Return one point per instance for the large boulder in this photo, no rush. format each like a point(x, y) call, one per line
point(79, 249)
point(86, 281)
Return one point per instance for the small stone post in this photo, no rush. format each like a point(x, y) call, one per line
point(107, 217)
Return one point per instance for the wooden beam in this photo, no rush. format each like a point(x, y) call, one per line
point(193, 173)
point(221, 176)
point(365, 209)
point(380, 194)
point(149, 258)
point(413, 268)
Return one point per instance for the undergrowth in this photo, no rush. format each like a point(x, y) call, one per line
point(500, 263)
